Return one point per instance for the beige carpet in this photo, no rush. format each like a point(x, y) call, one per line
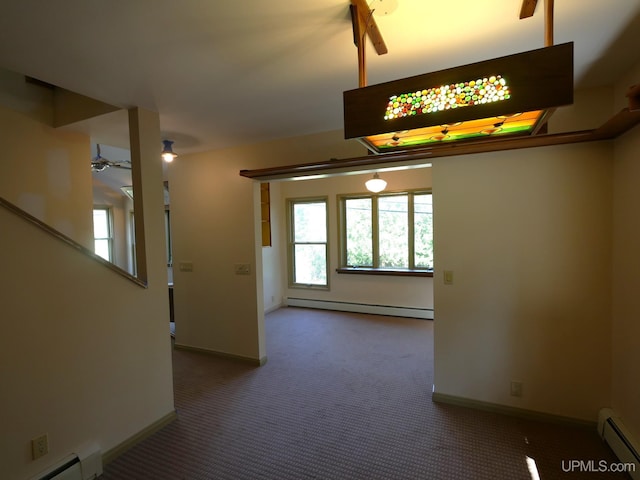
point(343, 396)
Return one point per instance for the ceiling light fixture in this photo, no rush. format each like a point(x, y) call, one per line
point(167, 152)
point(375, 184)
point(510, 95)
point(471, 102)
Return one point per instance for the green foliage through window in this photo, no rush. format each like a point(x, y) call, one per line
point(387, 231)
point(308, 242)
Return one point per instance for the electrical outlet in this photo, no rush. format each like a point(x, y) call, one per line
point(516, 389)
point(40, 446)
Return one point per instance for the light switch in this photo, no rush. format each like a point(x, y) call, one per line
point(242, 268)
point(448, 277)
point(186, 266)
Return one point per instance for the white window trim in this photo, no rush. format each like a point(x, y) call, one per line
point(291, 244)
point(375, 268)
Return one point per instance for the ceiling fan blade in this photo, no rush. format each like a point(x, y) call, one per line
point(528, 8)
point(99, 163)
point(126, 165)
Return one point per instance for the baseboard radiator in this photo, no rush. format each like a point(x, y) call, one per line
point(613, 431)
point(86, 465)
point(395, 311)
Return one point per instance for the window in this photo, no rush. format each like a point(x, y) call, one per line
point(102, 233)
point(308, 249)
point(391, 231)
point(167, 235)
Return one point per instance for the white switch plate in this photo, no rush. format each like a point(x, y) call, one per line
point(186, 266)
point(448, 277)
point(516, 389)
point(242, 268)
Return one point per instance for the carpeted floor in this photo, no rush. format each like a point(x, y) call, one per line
point(342, 396)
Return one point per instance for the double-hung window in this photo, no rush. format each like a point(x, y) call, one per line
point(103, 233)
point(385, 233)
point(308, 248)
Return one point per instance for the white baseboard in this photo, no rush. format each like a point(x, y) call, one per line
point(511, 411)
point(273, 308)
point(613, 431)
point(119, 449)
point(394, 311)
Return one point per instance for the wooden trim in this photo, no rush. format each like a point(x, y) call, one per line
point(548, 23)
point(265, 214)
point(511, 411)
point(542, 78)
point(634, 97)
point(542, 125)
point(135, 138)
point(620, 123)
point(422, 155)
point(113, 453)
point(365, 15)
point(359, 38)
point(616, 126)
point(69, 241)
point(528, 8)
point(381, 271)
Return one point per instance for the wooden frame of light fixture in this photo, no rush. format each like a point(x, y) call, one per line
point(364, 24)
point(363, 106)
point(538, 80)
point(620, 123)
point(527, 10)
point(617, 125)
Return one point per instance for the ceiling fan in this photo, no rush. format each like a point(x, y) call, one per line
point(99, 163)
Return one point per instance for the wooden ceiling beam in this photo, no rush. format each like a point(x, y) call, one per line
point(614, 127)
point(365, 14)
point(359, 38)
point(548, 23)
point(528, 8)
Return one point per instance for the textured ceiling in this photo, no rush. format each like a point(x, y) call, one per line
point(223, 73)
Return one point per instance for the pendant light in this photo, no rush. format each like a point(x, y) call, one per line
point(167, 151)
point(375, 184)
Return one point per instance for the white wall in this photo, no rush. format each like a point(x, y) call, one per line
point(274, 278)
point(527, 235)
point(49, 169)
point(415, 292)
point(85, 353)
point(626, 267)
point(214, 227)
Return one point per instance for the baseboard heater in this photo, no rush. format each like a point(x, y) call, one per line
point(395, 311)
point(86, 465)
point(613, 431)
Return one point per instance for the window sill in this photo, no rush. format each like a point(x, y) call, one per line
point(309, 286)
point(398, 272)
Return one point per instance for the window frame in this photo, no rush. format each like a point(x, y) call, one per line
point(291, 243)
point(167, 234)
point(110, 236)
point(375, 269)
